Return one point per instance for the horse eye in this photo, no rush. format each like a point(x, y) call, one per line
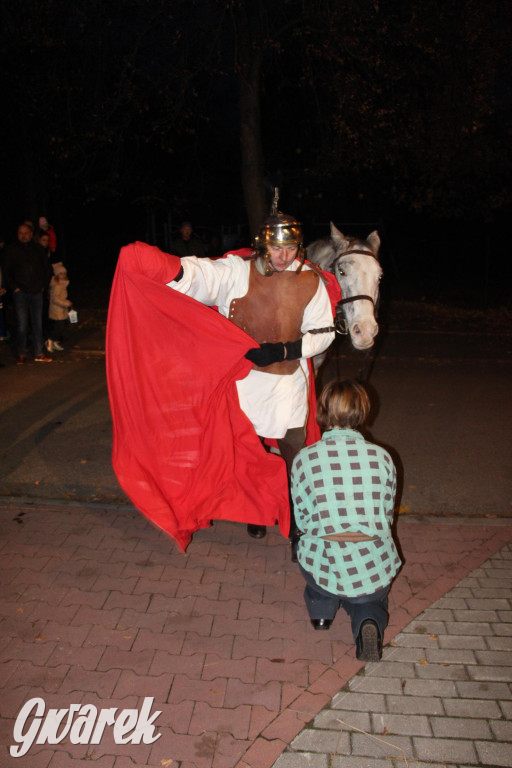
point(340, 271)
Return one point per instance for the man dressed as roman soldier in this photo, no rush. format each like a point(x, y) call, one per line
point(283, 309)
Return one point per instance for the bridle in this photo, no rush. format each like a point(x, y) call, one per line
point(341, 323)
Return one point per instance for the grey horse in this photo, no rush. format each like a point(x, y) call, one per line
point(355, 264)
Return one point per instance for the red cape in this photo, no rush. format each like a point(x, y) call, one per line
point(183, 450)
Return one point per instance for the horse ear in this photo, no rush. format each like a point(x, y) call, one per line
point(374, 240)
point(339, 238)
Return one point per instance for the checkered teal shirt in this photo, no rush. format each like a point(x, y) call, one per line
point(345, 483)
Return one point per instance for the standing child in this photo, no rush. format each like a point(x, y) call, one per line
point(343, 488)
point(59, 306)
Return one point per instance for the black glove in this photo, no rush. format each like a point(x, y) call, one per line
point(266, 354)
point(293, 350)
point(269, 353)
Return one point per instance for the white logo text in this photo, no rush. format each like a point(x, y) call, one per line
point(130, 726)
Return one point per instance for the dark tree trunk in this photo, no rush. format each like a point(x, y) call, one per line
point(252, 153)
point(248, 65)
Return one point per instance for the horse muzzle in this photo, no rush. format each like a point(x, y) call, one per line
point(362, 335)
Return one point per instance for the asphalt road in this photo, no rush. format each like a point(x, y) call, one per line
point(441, 404)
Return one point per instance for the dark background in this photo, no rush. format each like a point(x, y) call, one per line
point(120, 120)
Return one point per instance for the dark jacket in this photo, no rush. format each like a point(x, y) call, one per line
point(191, 247)
point(26, 267)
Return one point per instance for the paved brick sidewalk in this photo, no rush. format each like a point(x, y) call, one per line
point(441, 695)
point(99, 608)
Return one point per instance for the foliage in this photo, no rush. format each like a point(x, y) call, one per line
point(367, 103)
point(417, 98)
point(109, 96)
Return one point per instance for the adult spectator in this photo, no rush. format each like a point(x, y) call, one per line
point(47, 228)
point(3, 322)
point(27, 276)
point(187, 244)
point(43, 238)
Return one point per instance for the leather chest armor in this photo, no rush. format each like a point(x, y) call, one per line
point(272, 310)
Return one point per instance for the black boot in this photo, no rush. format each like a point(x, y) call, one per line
point(369, 644)
point(294, 544)
point(294, 538)
point(321, 623)
point(257, 531)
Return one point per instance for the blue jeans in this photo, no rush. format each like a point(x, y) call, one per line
point(28, 305)
point(324, 605)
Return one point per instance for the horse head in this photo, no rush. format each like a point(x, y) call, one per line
point(357, 269)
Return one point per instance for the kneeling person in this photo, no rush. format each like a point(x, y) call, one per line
point(343, 489)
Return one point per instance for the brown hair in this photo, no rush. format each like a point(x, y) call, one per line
point(342, 404)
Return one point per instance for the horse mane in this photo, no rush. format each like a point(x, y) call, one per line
point(325, 250)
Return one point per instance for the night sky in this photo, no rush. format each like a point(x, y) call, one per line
point(119, 120)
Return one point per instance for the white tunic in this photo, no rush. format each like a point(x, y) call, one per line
point(274, 403)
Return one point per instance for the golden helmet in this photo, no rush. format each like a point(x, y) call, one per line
point(279, 229)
